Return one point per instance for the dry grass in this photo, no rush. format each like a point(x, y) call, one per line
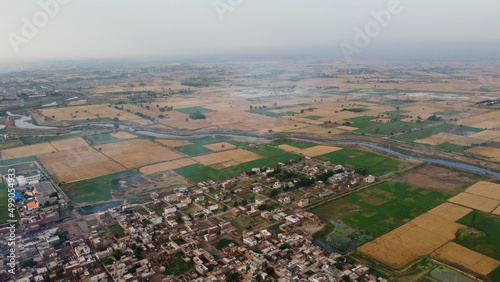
point(184, 162)
point(471, 260)
point(25, 151)
point(123, 135)
point(237, 156)
point(475, 202)
point(78, 164)
point(138, 152)
point(220, 146)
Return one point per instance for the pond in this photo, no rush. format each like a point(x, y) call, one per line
point(443, 274)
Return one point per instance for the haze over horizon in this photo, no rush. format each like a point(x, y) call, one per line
point(167, 29)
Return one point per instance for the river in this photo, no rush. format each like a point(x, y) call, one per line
point(23, 122)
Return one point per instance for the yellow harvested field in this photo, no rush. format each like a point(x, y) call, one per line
point(417, 238)
point(138, 152)
point(220, 146)
point(312, 151)
point(450, 211)
point(69, 144)
point(152, 169)
point(485, 151)
point(466, 141)
point(317, 150)
point(485, 189)
point(486, 135)
point(496, 211)
point(25, 151)
point(184, 162)
point(288, 148)
point(236, 155)
point(172, 143)
point(475, 202)
point(346, 128)
point(78, 164)
point(471, 260)
point(123, 135)
point(486, 120)
point(438, 139)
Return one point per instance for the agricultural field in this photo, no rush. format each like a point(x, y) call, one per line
point(375, 164)
point(380, 209)
point(25, 151)
point(173, 143)
point(439, 178)
point(101, 138)
point(159, 167)
point(77, 164)
point(96, 189)
point(227, 158)
point(417, 238)
point(123, 135)
point(137, 152)
point(488, 224)
point(311, 151)
point(471, 260)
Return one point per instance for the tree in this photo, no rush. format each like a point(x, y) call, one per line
point(233, 276)
point(108, 261)
point(117, 254)
point(285, 246)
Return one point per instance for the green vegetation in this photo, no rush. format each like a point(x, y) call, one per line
point(30, 140)
point(19, 160)
point(4, 215)
point(197, 115)
point(95, 189)
point(354, 110)
point(196, 148)
point(100, 138)
point(198, 173)
point(28, 263)
point(314, 117)
point(488, 224)
point(267, 111)
point(117, 231)
point(452, 147)
point(470, 234)
point(495, 274)
point(192, 110)
point(426, 132)
point(375, 164)
point(379, 209)
point(224, 243)
point(179, 267)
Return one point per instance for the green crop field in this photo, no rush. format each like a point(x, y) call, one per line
point(19, 160)
point(495, 274)
point(86, 210)
point(452, 147)
point(491, 226)
point(198, 173)
point(95, 189)
point(100, 138)
point(192, 110)
point(426, 132)
point(196, 148)
point(314, 117)
point(375, 164)
point(380, 209)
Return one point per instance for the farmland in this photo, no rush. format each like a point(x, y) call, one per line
point(382, 208)
point(375, 164)
point(96, 189)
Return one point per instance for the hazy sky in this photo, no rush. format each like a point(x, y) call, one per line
point(169, 28)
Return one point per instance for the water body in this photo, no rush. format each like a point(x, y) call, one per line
point(444, 274)
point(346, 237)
point(23, 122)
point(327, 247)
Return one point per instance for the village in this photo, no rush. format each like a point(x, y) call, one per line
point(248, 227)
